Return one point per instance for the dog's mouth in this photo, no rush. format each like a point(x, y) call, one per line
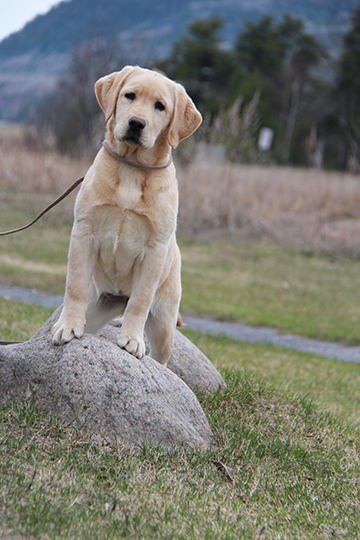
point(132, 140)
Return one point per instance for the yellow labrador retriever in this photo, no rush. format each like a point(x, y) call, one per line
point(123, 256)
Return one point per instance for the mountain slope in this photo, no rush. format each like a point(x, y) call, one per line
point(32, 59)
point(75, 21)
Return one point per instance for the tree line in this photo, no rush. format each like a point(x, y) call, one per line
point(276, 75)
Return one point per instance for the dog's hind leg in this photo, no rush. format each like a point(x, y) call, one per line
point(162, 319)
point(164, 314)
point(103, 310)
point(160, 331)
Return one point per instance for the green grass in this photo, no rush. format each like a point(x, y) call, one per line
point(287, 424)
point(295, 466)
point(331, 384)
point(18, 322)
point(263, 284)
point(295, 474)
point(334, 385)
point(46, 241)
point(29, 279)
point(35, 258)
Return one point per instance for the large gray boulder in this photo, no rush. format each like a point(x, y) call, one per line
point(187, 361)
point(104, 390)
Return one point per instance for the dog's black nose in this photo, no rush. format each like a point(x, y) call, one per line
point(136, 124)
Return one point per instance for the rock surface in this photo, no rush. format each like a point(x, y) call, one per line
point(187, 361)
point(106, 391)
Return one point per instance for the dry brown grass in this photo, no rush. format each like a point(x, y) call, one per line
point(27, 167)
point(26, 164)
point(312, 210)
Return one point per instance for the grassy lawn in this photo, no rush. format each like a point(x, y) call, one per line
point(287, 424)
point(295, 469)
point(258, 284)
point(263, 284)
point(333, 385)
point(18, 322)
point(294, 474)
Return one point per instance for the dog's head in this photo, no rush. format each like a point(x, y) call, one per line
point(145, 106)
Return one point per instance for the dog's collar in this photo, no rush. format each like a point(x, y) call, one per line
point(132, 163)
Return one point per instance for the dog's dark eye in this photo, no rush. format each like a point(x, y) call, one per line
point(159, 106)
point(131, 96)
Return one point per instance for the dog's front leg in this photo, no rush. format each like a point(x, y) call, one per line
point(81, 263)
point(146, 279)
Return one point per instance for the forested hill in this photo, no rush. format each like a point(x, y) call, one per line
point(32, 59)
point(160, 21)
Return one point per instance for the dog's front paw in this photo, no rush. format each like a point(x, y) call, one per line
point(133, 345)
point(65, 330)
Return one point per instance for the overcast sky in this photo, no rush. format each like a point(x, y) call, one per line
point(14, 14)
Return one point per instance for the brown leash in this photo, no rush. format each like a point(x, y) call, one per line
point(57, 201)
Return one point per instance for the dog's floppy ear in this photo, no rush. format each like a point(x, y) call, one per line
point(107, 89)
point(186, 118)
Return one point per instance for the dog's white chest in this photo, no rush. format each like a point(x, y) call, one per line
point(128, 194)
point(123, 240)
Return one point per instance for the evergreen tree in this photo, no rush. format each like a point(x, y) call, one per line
point(200, 63)
point(348, 97)
point(279, 59)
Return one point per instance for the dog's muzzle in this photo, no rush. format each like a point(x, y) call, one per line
point(135, 128)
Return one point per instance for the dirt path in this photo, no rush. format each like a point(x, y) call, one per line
point(233, 330)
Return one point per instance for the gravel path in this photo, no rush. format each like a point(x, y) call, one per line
point(28, 296)
point(233, 330)
point(270, 335)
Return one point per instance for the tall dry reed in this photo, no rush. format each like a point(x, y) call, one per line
point(312, 210)
point(26, 164)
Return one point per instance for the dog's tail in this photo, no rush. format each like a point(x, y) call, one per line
point(179, 322)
